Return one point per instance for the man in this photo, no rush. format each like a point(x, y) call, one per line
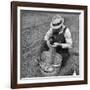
point(59, 37)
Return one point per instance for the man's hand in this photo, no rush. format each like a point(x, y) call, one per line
point(61, 44)
point(55, 44)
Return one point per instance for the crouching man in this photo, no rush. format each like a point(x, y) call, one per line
point(59, 37)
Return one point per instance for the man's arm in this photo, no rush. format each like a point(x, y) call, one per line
point(48, 35)
point(68, 38)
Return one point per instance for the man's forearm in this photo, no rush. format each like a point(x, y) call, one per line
point(65, 45)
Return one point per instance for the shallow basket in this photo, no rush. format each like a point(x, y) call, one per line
point(56, 65)
point(53, 73)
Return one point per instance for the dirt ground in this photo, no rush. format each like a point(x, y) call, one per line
point(34, 26)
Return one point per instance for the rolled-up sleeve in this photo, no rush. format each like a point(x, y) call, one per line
point(68, 37)
point(48, 34)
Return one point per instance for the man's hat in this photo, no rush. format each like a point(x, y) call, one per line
point(57, 22)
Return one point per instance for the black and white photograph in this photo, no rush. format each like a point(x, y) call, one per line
point(50, 45)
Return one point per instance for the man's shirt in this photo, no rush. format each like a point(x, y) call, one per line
point(67, 35)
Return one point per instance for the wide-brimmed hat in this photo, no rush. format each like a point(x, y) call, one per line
point(57, 22)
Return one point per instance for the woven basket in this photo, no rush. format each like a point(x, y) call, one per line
point(52, 66)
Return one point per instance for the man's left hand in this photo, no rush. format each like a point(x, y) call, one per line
point(55, 44)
